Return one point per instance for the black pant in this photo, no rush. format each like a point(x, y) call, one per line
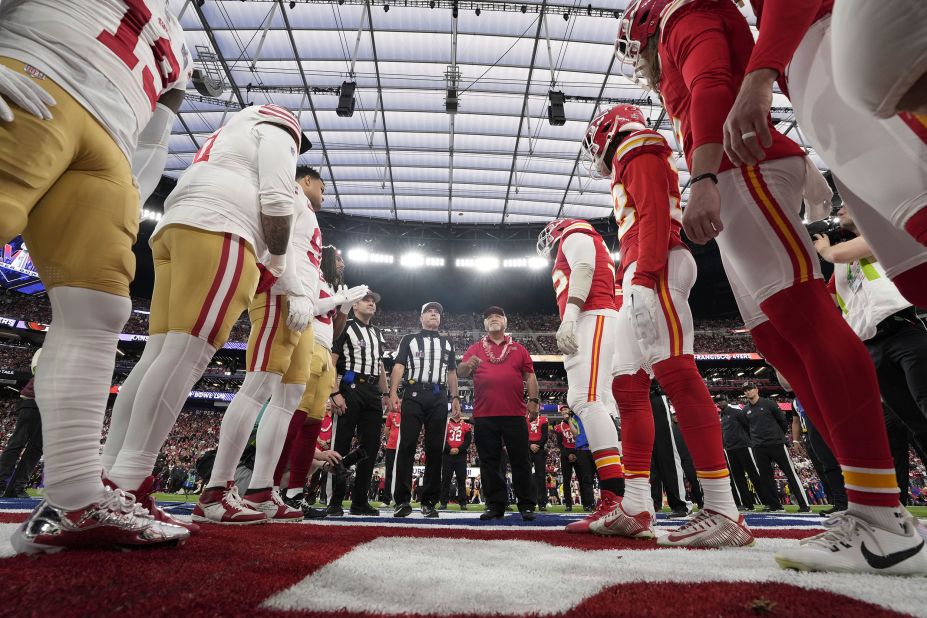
point(740, 463)
point(491, 433)
point(539, 465)
point(900, 358)
point(387, 486)
point(585, 470)
point(833, 475)
point(666, 473)
point(22, 451)
point(454, 466)
point(768, 454)
point(421, 407)
point(365, 417)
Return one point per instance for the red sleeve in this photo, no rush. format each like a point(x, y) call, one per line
point(645, 180)
point(832, 285)
point(782, 24)
point(698, 45)
point(471, 351)
point(528, 364)
point(619, 295)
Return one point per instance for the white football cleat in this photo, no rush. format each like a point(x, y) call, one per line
point(271, 504)
point(618, 522)
point(710, 529)
point(224, 506)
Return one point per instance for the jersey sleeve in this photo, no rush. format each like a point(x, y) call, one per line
point(338, 345)
point(471, 351)
point(527, 364)
point(402, 355)
point(276, 170)
point(782, 26)
point(451, 355)
point(645, 179)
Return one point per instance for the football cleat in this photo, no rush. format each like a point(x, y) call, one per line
point(115, 521)
point(851, 544)
point(710, 529)
point(271, 504)
point(143, 495)
point(617, 522)
point(605, 505)
point(224, 506)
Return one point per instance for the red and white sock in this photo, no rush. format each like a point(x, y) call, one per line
point(301, 456)
point(632, 394)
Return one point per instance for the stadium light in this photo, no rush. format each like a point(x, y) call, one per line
point(486, 264)
point(434, 261)
point(536, 263)
point(358, 256)
point(515, 263)
point(412, 260)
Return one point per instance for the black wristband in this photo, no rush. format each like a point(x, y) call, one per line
point(534, 399)
point(713, 177)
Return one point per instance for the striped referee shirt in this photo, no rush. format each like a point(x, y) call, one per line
point(426, 356)
point(359, 348)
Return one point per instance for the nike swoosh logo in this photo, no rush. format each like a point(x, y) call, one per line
point(877, 561)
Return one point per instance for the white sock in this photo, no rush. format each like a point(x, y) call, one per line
point(886, 517)
point(72, 386)
point(160, 396)
point(122, 408)
point(718, 496)
point(237, 423)
point(293, 492)
point(271, 435)
point(637, 498)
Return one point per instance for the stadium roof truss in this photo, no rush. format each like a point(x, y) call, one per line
point(402, 155)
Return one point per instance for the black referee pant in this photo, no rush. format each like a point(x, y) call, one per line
point(364, 416)
point(387, 485)
point(421, 407)
point(454, 466)
point(491, 433)
point(666, 473)
point(833, 476)
point(539, 466)
point(740, 464)
point(585, 470)
point(765, 456)
point(22, 452)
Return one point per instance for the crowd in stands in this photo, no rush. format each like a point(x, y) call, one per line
point(15, 356)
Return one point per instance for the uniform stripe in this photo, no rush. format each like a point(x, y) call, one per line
point(772, 211)
point(231, 288)
point(634, 473)
point(673, 323)
point(712, 474)
point(596, 351)
point(917, 123)
point(863, 481)
point(203, 318)
point(256, 352)
point(285, 116)
point(635, 142)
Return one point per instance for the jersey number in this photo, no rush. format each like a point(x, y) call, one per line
point(203, 153)
point(125, 39)
point(455, 435)
point(560, 282)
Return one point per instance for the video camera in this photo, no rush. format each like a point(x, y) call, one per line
point(829, 227)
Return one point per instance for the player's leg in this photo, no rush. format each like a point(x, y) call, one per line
point(297, 375)
point(320, 383)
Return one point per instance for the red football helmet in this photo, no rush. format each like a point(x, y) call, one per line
point(553, 232)
point(602, 131)
point(640, 22)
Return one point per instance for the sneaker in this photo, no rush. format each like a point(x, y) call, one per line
point(774, 509)
point(364, 509)
point(296, 502)
point(607, 502)
point(543, 507)
point(678, 514)
point(115, 521)
point(224, 506)
point(143, 497)
point(492, 514)
point(463, 506)
point(335, 510)
point(804, 509)
point(617, 522)
point(403, 510)
point(314, 513)
point(429, 511)
point(528, 514)
point(853, 545)
point(710, 529)
point(568, 509)
point(271, 504)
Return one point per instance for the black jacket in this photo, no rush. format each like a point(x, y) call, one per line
point(735, 428)
point(767, 423)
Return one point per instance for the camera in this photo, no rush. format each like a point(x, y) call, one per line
point(829, 227)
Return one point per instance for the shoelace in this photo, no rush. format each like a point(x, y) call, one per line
point(839, 530)
point(277, 499)
point(123, 502)
point(702, 521)
point(602, 507)
point(233, 499)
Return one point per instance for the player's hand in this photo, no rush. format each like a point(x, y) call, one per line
point(331, 458)
point(535, 448)
point(701, 218)
point(20, 90)
point(643, 303)
point(566, 334)
point(338, 404)
point(349, 296)
point(301, 312)
point(821, 243)
point(746, 130)
point(394, 402)
point(454, 451)
point(267, 280)
point(276, 264)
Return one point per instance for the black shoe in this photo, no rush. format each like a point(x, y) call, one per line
point(442, 506)
point(364, 509)
point(775, 509)
point(313, 513)
point(16, 492)
point(832, 510)
point(588, 509)
point(568, 509)
point(403, 510)
point(492, 514)
point(334, 510)
point(528, 514)
point(296, 502)
point(429, 511)
point(543, 507)
point(804, 509)
point(678, 514)
point(463, 506)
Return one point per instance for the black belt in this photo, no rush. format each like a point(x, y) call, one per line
point(899, 319)
point(350, 377)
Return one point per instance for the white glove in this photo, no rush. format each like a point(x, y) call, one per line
point(300, 312)
point(643, 303)
point(24, 92)
point(276, 265)
point(566, 334)
point(352, 295)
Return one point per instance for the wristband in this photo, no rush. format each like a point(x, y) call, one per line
point(709, 175)
point(534, 399)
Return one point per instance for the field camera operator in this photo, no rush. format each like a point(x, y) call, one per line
point(885, 321)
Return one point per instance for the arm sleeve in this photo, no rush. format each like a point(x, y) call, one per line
point(468, 439)
point(276, 170)
point(402, 356)
point(451, 356)
point(151, 152)
point(646, 182)
point(782, 26)
point(579, 250)
point(699, 46)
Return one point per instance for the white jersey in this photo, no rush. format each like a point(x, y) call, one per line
point(115, 57)
point(323, 327)
point(244, 169)
point(304, 254)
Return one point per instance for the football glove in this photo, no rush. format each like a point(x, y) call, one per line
point(20, 90)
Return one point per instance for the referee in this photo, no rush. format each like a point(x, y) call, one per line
point(357, 402)
point(427, 367)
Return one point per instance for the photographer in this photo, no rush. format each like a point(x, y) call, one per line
point(886, 322)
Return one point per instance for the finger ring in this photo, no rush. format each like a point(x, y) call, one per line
point(748, 135)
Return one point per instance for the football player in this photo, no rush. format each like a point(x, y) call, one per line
point(883, 161)
point(584, 282)
point(88, 92)
point(230, 209)
point(655, 333)
point(695, 55)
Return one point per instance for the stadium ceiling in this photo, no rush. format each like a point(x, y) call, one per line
point(402, 156)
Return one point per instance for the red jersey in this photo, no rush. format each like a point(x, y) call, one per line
point(602, 293)
point(457, 433)
point(704, 50)
point(645, 189)
point(567, 440)
point(536, 428)
point(498, 387)
point(392, 426)
point(325, 432)
point(782, 26)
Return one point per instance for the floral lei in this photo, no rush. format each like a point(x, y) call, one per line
point(487, 348)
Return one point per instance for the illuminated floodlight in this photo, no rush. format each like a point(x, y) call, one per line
point(412, 260)
point(536, 263)
point(464, 262)
point(434, 261)
point(515, 263)
point(486, 264)
point(358, 255)
point(381, 258)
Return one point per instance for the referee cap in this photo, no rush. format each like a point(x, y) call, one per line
point(373, 295)
point(494, 310)
point(433, 305)
point(749, 386)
